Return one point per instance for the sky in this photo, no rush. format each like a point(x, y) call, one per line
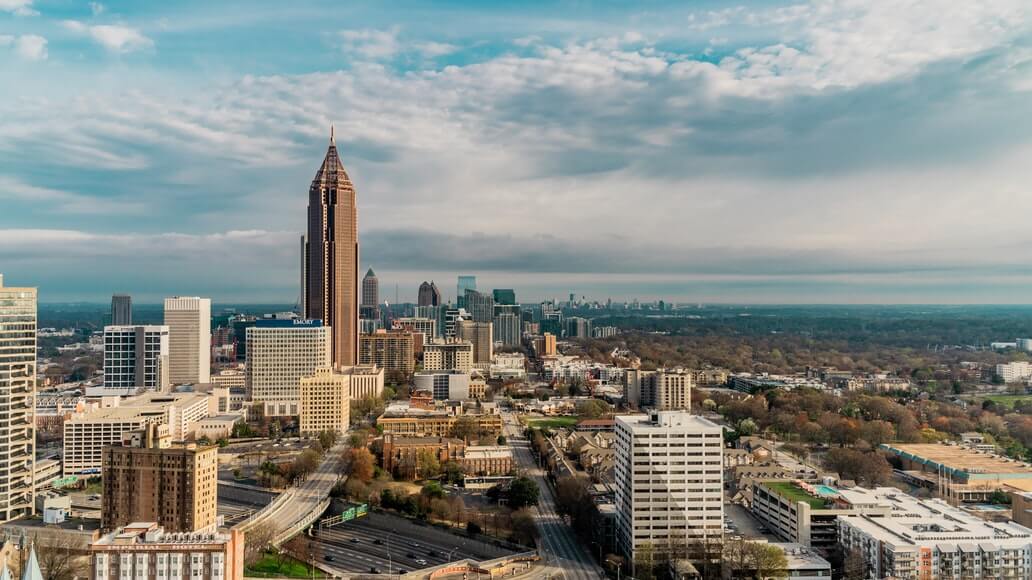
point(838, 151)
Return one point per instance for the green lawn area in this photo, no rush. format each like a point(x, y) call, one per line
point(789, 491)
point(552, 422)
point(1008, 400)
point(270, 567)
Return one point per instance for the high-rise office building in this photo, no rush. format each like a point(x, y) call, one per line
point(480, 335)
point(669, 482)
point(479, 305)
point(279, 353)
point(661, 390)
point(504, 295)
point(392, 351)
point(331, 256)
point(135, 358)
point(121, 310)
point(465, 283)
point(370, 296)
point(426, 328)
point(147, 481)
point(545, 345)
point(17, 393)
point(448, 354)
point(508, 324)
point(577, 327)
point(429, 294)
point(189, 339)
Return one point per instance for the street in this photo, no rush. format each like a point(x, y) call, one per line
point(559, 545)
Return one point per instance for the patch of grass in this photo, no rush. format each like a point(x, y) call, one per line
point(1008, 400)
point(271, 567)
point(793, 493)
point(552, 422)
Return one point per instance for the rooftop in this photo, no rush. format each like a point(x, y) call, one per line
point(964, 460)
point(791, 491)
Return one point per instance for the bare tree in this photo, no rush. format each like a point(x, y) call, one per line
point(61, 557)
point(256, 541)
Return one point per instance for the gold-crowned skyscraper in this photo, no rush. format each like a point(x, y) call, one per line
point(331, 279)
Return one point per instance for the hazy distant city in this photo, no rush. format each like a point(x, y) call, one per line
point(541, 291)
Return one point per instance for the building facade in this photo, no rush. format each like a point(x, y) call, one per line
point(660, 390)
point(445, 385)
point(390, 350)
point(331, 256)
point(279, 353)
point(669, 481)
point(479, 305)
point(545, 345)
point(145, 551)
point(370, 290)
point(17, 391)
point(177, 487)
point(136, 357)
point(443, 355)
point(121, 310)
point(189, 339)
point(429, 294)
point(508, 324)
point(325, 401)
point(481, 336)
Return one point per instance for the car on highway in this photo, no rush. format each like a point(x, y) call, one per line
point(378, 542)
point(353, 540)
point(421, 562)
point(402, 571)
point(328, 557)
point(410, 556)
point(374, 570)
point(432, 553)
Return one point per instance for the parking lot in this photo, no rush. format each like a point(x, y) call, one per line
point(383, 543)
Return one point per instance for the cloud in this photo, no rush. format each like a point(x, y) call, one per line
point(114, 37)
point(435, 49)
point(370, 43)
point(27, 46)
point(96, 8)
point(18, 7)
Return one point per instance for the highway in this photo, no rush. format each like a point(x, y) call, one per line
point(559, 546)
point(293, 505)
point(353, 546)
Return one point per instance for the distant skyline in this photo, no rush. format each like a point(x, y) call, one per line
point(768, 152)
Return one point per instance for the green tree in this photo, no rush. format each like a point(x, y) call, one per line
point(523, 492)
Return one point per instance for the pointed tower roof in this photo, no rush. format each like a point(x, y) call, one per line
point(331, 170)
point(370, 273)
point(31, 569)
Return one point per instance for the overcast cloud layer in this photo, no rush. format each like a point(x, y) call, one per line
point(833, 151)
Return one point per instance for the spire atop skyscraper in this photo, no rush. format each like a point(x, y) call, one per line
point(332, 140)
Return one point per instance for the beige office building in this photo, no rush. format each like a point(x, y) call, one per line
point(391, 351)
point(661, 390)
point(325, 401)
point(366, 381)
point(279, 353)
point(448, 354)
point(480, 334)
point(177, 487)
point(189, 339)
point(17, 392)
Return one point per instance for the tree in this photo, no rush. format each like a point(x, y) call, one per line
point(593, 409)
point(359, 463)
point(464, 427)
point(523, 492)
point(433, 490)
point(307, 462)
point(453, 472)
point(256, 540)
point(327, 439)
point(59, 557)
point(524, 529)
point(750, 559)
point(427, 464)
point(501, 440)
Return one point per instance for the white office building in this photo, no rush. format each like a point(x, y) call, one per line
point(135, 358)
point(189, 339)
point(448, 385)
point(1015, 372)
point(668, 480)
point(279, 353)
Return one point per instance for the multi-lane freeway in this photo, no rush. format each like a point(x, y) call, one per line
point(390, 544)
point(559, 546)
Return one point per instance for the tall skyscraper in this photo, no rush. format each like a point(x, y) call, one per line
point(465, 283)
point(480, 335)
point(189, 339)
point(507, 324)
point(331, 256)
point(17, 392)
point(429, 294)
point(370, 290)
point(479, 305)
point(669, 482)
point(504, 295)
point(121, 310)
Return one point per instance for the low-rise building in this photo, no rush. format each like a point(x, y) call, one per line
point(405, 420)
point(487, 460)
point(931, 539)
point(450, 385)
point(406, 457)
point(448, 354)
point(960, 473)
point(145, 551)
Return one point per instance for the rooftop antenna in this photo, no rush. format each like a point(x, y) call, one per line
point(332, 140)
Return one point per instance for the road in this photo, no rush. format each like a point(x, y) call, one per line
point(353, 546)
point(559, 545)
point(303, 498)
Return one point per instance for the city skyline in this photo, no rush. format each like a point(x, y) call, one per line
point(773, 152)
